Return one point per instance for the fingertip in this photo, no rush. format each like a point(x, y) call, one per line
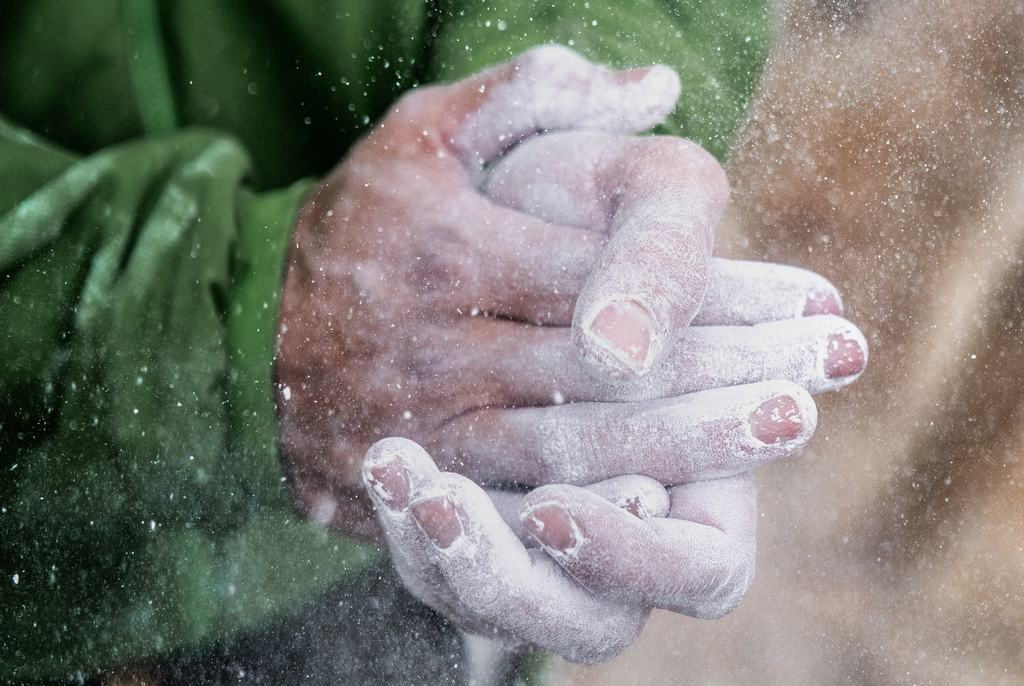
point(640, 496)
point(664, 80)
point(390, 469)
point(820, 353)
point(652, 90)
point(551, 55)
point(389, 484)
point(820, 296)
point(783, 414)
point(393, 447)
point(841, 353)
point(805, 407)
point(747, 293)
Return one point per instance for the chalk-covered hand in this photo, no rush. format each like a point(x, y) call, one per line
point(506, 340)
point(612, 551)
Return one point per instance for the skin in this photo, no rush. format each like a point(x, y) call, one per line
point(588, 595)
point(536, 332)
point(884, 149)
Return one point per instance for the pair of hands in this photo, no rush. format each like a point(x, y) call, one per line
point(565, 328)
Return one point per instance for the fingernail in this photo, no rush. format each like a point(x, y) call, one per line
point(438, 519)
point(626, 329)
point(822, 303)
point(390, 482)
point(638, 507)
point(843, 357)
point(776, 420)
point(552, 526)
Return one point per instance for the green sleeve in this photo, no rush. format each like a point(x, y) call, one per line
point(718, 47)
point(142, 508)
point(295, 81)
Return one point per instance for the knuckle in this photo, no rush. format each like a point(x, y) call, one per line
point(439, 268)
point(672, 151)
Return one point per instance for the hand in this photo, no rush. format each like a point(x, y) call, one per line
point(612, 551)
point(415, 306)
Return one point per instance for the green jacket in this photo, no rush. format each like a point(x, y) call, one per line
point(153, 156)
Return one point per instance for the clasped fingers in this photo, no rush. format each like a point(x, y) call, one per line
point(698, 561)
point(455, 552)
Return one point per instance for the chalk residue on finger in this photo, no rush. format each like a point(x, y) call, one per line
point(553, 88)
point(676, 440)
point(661, 239)
point(524, 592)
point(742, 293)
point(821, 353)
point(641, 496)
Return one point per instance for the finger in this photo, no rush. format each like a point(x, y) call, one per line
point(507, 503)
point(503, 262)
point(744, 293)
point(547, 88)
point(641, 496)
point(677, 440)
point(699, 561)
point(494, 260)
point(525, 269)
point(524, 592)
point(433, 133)
point(574, 179)
point(516, 365)
point(447, 544)
point(818, 353)
point(391, 470)
point(660, 199)
point(552, 88)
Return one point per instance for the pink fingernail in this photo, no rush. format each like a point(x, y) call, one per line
point(438, 519)
point(552, 526)
point(776, 420)
point(628, 76)
point(658, 79)
point(633, 507)
point(822, 303)
point(626, 329)
point(391, 483)
point(844, 357)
